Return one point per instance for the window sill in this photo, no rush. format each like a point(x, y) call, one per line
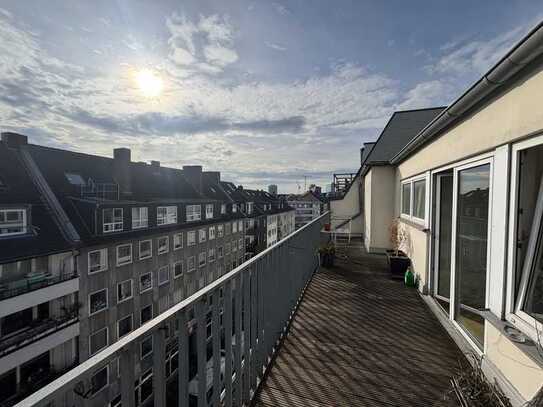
point(529, 348)
point(415, 224)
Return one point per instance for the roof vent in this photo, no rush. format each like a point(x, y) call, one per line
point(155, 163)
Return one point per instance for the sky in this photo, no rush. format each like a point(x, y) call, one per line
point(267, 92)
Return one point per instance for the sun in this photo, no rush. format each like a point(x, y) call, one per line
point(149, 82)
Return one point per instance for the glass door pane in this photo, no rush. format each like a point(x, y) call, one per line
point(471, 248)
point(443, 239)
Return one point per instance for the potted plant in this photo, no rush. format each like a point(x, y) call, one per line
point(327, 254)
point(398, 261)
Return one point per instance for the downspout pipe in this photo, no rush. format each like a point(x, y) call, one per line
point(529, 48)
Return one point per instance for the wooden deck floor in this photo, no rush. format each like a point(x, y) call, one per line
point(361, 339)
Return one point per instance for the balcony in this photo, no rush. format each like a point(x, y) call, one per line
point(31, 282)
point(280, 331)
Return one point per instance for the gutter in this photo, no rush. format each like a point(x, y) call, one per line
point(524, 52)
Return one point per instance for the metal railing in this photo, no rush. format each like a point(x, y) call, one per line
point(226, 336)
point(27, 284)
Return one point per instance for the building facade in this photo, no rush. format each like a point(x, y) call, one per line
point(307, 207)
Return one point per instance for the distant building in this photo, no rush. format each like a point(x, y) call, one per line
point(272, 189)
point(307, 206)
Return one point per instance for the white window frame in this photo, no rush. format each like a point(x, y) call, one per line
point(131, 316)
point(194, 213)
point(211, 232)
point(202, 235)
point(131, 290)
point(114, 224)
point(139, 282)
point(234, 208)
point(137, 388)
point(103, 256)
point(411, 182)
point(191, 238)
point(180, 262)
point(169, 217)
point(141, 220)
point(179, 237)
point(235, 227)
point(223, 209)
point(249, 208)
point(23, 224)
point(95, 333)
point(94, 393)
point(142, 356)
point(129, 258)
point(209, 211)
point(167, 267)
point(220, 230)
point(220, 252)
point(211, 255)
point(158, 245)
point(189, 259)
point(102, 309)
point(202, 256)
point(150, 241)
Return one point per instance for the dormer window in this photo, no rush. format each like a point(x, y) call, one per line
point(234, 208)
point(223, 209)
point(13, 222)
point(249, 208)
point(194, 213)
point(166, 215)
point(209, 211)
point(75, 179)
point(139, 218)
point(112, 220)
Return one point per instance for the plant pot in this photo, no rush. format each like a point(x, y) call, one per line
point(397, 263)
point(327, 260)
point(327, 227)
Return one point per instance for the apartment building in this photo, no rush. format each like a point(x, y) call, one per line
point(39, 284)
point(307, 206)
point(466, 188)
point(143, 237)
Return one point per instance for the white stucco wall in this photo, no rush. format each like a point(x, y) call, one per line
point(514, 115)
point(348, 207)
point(379, 205)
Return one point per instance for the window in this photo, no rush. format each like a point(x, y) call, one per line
point(13, 222)
point(124, 254)
point(211, 255)
point(163, 275)
point(166, 215)
point(220, 231)
point(97, 301)
point(99, 380)
point(234, 208)
point(139, 218)
point(146, 249)
point(177, 241)
point(191, 238)
point(178, 269)
point(212, 233)
point(249, 208)
point(98, 341)
point(202, 235)
point(97, 261)
point(209, 211)
point(227, 248)
point(413, 199)
point(240, 226)
point(223, 209)
point(124, 290)
point(146, 314)
point(240, 244)
point(146, 347)
point(219, 252)
point(234, 227)
point(146, 282)
point(191, 264)
point(143, 388)
point(194, 213)
point(162, 243)
point(116, 402)
point(419, 194)
point(74, 179)
point(172, 361)
point(234, 245)
point(227, 229)
point(124, 326)
point(112, 220)
point(202, 259)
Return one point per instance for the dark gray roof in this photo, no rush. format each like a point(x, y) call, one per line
point(402, 127)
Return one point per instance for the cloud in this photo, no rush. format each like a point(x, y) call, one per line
point(428, 94)
point(280, 8)
point(274, 46)
point(205, 46)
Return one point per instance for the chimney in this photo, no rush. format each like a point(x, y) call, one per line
point(155, 163)
point(193, 174)
point(121, 169)
point(240, 187)
point(212, 176)
point(14, 140)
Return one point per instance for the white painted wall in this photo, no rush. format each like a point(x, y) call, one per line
point(379, 199)
point(347, 207)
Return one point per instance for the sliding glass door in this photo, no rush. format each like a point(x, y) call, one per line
point(471, 238)
point(442, 236)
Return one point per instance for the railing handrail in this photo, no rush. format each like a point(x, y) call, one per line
point(104, 355)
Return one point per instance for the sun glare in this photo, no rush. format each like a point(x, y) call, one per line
point(149, 82)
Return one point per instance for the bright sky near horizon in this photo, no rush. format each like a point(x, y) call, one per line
point(264, 91)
